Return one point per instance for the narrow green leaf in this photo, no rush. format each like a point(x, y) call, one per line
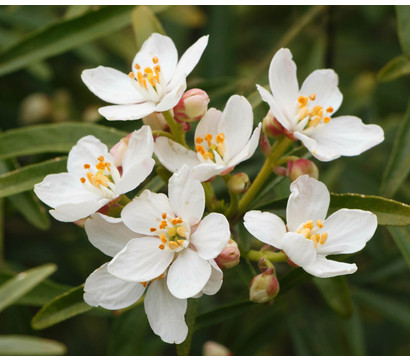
point(394, 69)
point(398, 166)
point(401, 236)
point(354, 333)
point(61, 308)
point(403, 27)
point(63, 36)
point(22, 283)
point(336, 293)
point(25, 178)
point(22, 345)
point(145, 23)
point(53, 138)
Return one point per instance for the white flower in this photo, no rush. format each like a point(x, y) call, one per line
point(165, 312)
point(93, 179)
point(173, 236)
point(308, 238)
point(156, 82)
point(222, 141)
point(307, 112)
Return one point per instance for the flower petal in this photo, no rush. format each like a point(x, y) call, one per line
point(309, 200)
point(209, 123)
point(325, 268)
point(74, 212)
point(266, 227)
point(111, 85)
point(135, 176)
point(299, 249)
point(166, 313)
point(215, 281)
point(175, 92)
point(248, 149)
point(103, 289)
point(127, 112)
point(206, 171)
point(211, 236)
point(108, 234)
point(324, 85)
point(188, 274)
point(348, 231)
point(186, 196)
point(140, 260)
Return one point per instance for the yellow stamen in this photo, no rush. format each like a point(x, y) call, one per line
point(314, 122)
point(157, 69)
point(163, 238)
point(308, 225)
point(180, 242)
point(181, 231)
point(173, 245)
point(323, 238)
point(208, 138)
point(220, 138)
point(305, 232)
point(302, 100)
point(207, 155)
point(221, 149)
point(137, 66)
point(172, 231)
point(312, 97)
point(198, 140)
point(131, 75)
point(302, 113)
point(326, 119)
point(319, 223)
point(200, 149)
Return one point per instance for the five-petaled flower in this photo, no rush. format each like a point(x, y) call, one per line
point(308, 238)
point(222, 140)
point(94, 178)
point(306, 113)
point(156, 82)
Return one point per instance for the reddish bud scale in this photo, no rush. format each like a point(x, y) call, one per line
point(192, 106)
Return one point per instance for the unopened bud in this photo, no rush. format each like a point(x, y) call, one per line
point(119, 149)
point(264, 287)
point(156, 121)
point(265, 144)
point(192, 106)
point(212, 348)
point(271, 126)
point(301, 167)
point(229, 257)
point(239, 183)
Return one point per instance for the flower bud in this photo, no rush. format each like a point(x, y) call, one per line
point(119, 149)
point(212, 348)
point(229, 257)
point(271, 125)
point(301, 167)
point(192, 106)
point(156, 121)
point(264, 287)
point(239, 183)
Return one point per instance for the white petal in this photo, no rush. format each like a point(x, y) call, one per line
point(186, 196)
point(166, 313)
point(309, 200)
point(103, 289)
point(188, 274)
point(215, 281)
point(74, 212)
point(108, 234)
point(342, 136)
point(283, 81)
point(324, 85)
point(206, 171)
point(174, 94)
point(127, 112)
point(140, 260)
point(140, 147)
point(248, 150)
point(211, 236)
point(111, 85)
point(145, 212)
point(209, 123)
point(173, 155)
point(325, 268)
point(299, 249)
point(348, 231)
point(266, 227)
point(134, 176)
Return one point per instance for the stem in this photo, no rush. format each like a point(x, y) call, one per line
point(190, 317)
point(176, 129)
point(256, 255)
point(161, 133)
point(233, 203)
point(210, 199)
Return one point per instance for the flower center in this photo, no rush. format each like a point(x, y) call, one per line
point(311, 232)
point(209, 148)
point(316, 115)
point(173, 233)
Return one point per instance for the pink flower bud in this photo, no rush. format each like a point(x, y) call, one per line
point(301, 167)
point(271, 126)
point(265, 144)
point(229, 257)
point(212, 348)
point(119, 149)
point(239, 183)
point(264, 287)
point(192, 106)
point(156, 121)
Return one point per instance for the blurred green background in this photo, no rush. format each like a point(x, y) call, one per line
point(44, 49)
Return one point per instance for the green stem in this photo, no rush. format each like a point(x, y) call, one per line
point(233, 203)
point(177, 133)
point(190, 318)
point(161, 133)
point(210, 199)
point(256, 255)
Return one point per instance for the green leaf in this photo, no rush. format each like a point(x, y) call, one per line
point(394, 69)
point(403, 27)
point(22, 345)
point(53, 138)
point(22, 283)
point(61, 308)
point(25, 178)
point(398, 166)
point(63, 36)
point(354, 333)
point(401, 236)
point(145, 23)
point(336, 293)
point(185, 15)
point(293, 278)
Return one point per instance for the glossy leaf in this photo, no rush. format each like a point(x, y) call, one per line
point(401, 236)
point(394, 69)
point(22, 345)
point(403, 27)
point(22, 283)
point(53, 138)
point(145, 23)
point(61, 308)
point(63, 36)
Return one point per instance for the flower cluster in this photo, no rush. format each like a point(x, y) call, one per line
point(174, 247)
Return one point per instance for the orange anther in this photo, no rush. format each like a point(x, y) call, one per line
point(208, 138)
point(220, 138)
point(100, 166)
point(326, 119)
point(157, 69)
point(180, 221)
point(163, 224)
point(180, 242)
point(155, 60)
point(162, 246)
point(100, 158)
point(312, 97)
point(164, 215)
point(131, 75)
point(302, 100)
point(148, 70)
point(144, 283)
point(87, 166)
point(199, 140)
point(173, 245)
point(152, 229)
point(82, 180)
point(174, 221)
point(329, 109)
point(208, 155)
point(137, 66)
point(200, 149)
point(163, 238)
